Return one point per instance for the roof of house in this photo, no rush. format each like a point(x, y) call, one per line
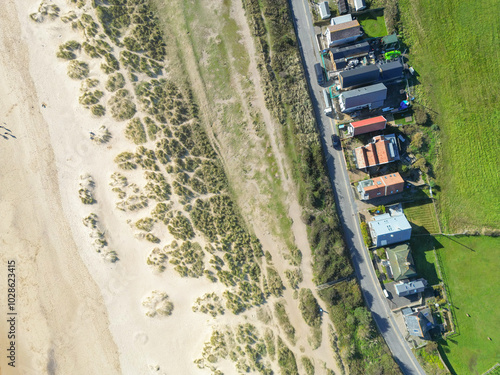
point(419, 322)
point(389, 39)
point(369, 125)
point(341, 19)
point(357, 49)
point(387, 180)
point(359, 76)
point(324, 9)
point(342, 6)
point(412, 286)
point(359, 4)
point(364, 95)
point(390, 70)
point(381, 150)
point(399, 255)
point(344, 30)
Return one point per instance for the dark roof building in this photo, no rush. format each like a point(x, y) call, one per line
point(370, 96)
point(419, 322)
point(391, 70)
point(354, 50)
point(363, 75)
point(400, 260)
point(342, 6)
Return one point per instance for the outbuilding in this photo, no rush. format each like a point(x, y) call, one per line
point(359, 5)
point(324, 10)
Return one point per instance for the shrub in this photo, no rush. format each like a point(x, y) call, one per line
point(122, 106)
point(135, 131)
point(158, 303)
point(286, 359)
point(309, 308)
point(90, 97)
point(180, 227)
point(98, 110)
point(366, 234)
point(308, 366)
point(78, 69)
point(115, 81)
point(284, 321)
point(274, 282)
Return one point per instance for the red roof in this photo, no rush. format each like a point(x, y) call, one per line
point(368, 125)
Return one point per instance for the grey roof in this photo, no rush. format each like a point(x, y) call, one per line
point(411, 287)
point(385, 224)
point(389, 39)
point(391, 70)
point(341, 19)
point(359, 76)
point(364, 95)
point(324, 9)
point(419, 322)
point(407, 311)
point(359, 4)
point(342, 6)
point(357, 49)
point(401, 261)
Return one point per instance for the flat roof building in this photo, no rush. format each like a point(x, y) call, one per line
point(382, 186)
point(360, 76)
point(381, 150)
point(366, 126)
point(391, 228)
point(341, 19)
point(391, 70)
point(411, 287)
point(324, 10)
point(370, 96)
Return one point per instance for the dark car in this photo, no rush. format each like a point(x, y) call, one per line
point(319, 73)
point(335, 140)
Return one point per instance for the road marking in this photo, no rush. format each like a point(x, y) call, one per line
point(306, 13)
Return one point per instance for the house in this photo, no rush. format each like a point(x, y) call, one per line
point(366, 126)
point(382, 186)
point(342, 6)
point(370, 96)
point(390, 42)
point(359, 5)
point(419, 322)
point(341, 19)
point(343, 33)
point(400, 262)
point(391, 228)
point(413, 287)
point(360, 76)
point(324, 10)
point(391, 70)
point(381, 150)
point(339, 55)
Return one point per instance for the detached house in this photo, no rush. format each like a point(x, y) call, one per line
point(366, 126)
point(365, 97)
point(391, 228)
point(382, 186)
point(381, 150)
point(400, 262)
point(343, 33)
point(419, 322)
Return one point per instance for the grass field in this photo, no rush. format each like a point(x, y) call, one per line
point(470, 266)
point(425, 261)
point(373, 24)
point(422, 217)
point(454, 49)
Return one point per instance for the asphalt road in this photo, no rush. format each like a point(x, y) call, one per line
point(344, 199)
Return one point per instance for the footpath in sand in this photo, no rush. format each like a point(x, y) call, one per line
point(61, 322)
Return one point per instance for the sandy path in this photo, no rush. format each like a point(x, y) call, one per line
point(62, 324)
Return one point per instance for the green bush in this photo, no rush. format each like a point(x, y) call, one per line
point(78, 69)
point(309, 308)
point(98, 110)
point(308, 365)
point(180, 227)
point(284, 321)
point(366, 234)
point(135, 131)
point(90, 98)
point(115, 81)
point(286, 359)
point(121, 105)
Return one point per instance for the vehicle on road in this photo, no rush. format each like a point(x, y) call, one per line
point(328, 105)
point(335, 140)
point(319, 73)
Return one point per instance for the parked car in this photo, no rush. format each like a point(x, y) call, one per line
point(335, 140)
point(319, 73)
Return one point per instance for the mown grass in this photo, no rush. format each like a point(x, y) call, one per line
point(455, 52)
point(422, 217)
point(470, 266)
point(422, 250)
point(373, 24)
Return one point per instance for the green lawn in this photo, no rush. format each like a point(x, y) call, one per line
point(373, 24)
point(470, 265)
point(454, 48)
point(423, 255)
point(422, 217)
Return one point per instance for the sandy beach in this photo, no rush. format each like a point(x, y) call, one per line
point(76, 313)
